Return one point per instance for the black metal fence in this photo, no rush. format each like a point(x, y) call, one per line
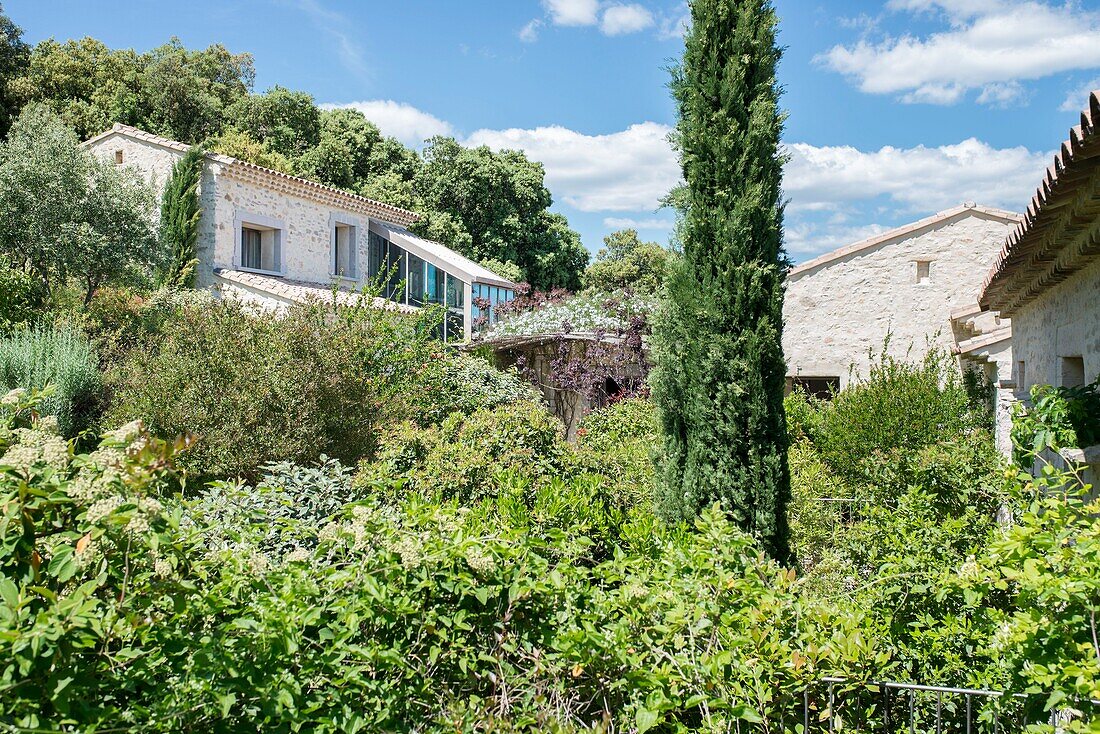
point(886, 707)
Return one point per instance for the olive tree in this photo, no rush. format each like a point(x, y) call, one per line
point(67, 216)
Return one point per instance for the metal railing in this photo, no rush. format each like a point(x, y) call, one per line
point(838, 705)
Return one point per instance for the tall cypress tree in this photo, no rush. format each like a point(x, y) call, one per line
point(179, 219)
point(720, 369)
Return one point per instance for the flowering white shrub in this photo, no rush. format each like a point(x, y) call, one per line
point(585, 312)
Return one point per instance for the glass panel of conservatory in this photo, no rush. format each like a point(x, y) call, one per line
point(416, 280)
point(376, 254)
point(433, 284)
point(395, 269)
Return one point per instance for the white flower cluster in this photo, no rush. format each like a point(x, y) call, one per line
point(162, 568)
point(586, 312)
point(479, 561)
point(298, 555)
point(35, 447)
point(13, 397)
point(103, 508)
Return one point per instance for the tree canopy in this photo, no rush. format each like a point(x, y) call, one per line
point(68, 215)
point(627, 262)
point(14, 53)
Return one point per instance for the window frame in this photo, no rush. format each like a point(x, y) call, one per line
point(263, 223)
point(353, 224)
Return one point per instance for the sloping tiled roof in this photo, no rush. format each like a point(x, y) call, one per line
point(278, 180)
point(294, 291)
point(1060, 232)
point(906, 230)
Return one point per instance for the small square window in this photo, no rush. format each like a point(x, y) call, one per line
point(924, 271)
point(118, 157)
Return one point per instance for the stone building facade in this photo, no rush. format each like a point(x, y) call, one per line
point(1046, 277)
point(279, 229)
point(908, 289)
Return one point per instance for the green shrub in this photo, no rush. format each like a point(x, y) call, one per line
point(467, 457)
point(282, 514)
point(1058, 417)
point(117, 613)
point(456, 383)
point(816, 522)
point(899, 405)
point(622, 443)
point(62, 360)
point(22, 298)
point(256, 388)
point(803, 414)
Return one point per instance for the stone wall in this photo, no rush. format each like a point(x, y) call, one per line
point(153, 161)
point(306, 240)
point(1064, 321)
point(838, 311)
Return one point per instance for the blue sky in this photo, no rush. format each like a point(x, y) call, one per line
point(897, 109)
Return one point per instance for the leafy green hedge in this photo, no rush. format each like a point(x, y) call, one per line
point(116, 612)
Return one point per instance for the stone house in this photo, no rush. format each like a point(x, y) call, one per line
point(270, 238)
point(1046, 277)
point(917, 284)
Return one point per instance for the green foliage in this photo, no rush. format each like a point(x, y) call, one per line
point(287, 122)
point(170, 90)
point(121, 612)
point(621, 442)
point(14, 54)
point(68, 215)
point(508, 270)
point(804, 414)
point(462, 384)
point(283, 514)
point(179, 219)
point(237, 144)
point(627, 262)
point(62, 360)
point(719, 376)
point(899, 406)
point(1036, 592)
point(1058, 417)
point(22, 298)
point(256, 389)
point(467, 458)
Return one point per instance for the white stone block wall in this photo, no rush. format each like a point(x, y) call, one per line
point(838, 312)
point(306, 241)
point(153, 161)
point(1064, 321)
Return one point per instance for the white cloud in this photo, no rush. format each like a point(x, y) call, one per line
point(1078, 97)
point(913, 181)
point(572, 12)
point(654, 224)
point(403, 121)
point(621, 19)
point(530, 32)
point(804, 240)
point(1002, 94)
point(987, 45)
point(630, 170)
